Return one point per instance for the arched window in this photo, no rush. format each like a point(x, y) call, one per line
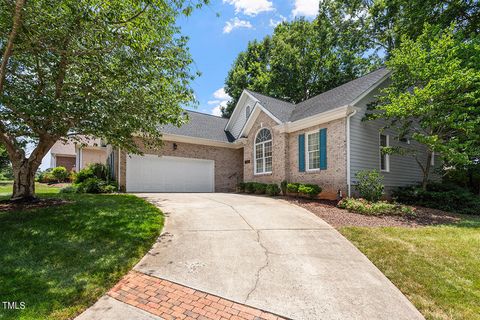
point(263, 151)
point(247, 112)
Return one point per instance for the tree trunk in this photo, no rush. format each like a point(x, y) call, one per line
point(426, 171)
point(24, 181)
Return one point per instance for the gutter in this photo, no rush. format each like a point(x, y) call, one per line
point(349, 178)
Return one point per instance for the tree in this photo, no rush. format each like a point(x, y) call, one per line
point(434, 97)
point(109, 69)
point(303, 59)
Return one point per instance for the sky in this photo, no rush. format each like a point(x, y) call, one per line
point(219, 32)
point(215, 41)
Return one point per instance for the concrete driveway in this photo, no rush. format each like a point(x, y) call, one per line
point(269, 254)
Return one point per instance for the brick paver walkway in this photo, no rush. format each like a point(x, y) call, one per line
point(173, 301)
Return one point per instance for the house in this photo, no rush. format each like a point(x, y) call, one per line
point(76, 155)
point(322, 140)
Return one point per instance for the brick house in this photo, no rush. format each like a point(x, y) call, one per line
point(322, 140)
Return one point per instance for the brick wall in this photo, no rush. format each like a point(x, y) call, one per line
point(285, 157)
point(228, 162)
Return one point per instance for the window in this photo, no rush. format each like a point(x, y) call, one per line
point(247, 112)
point(263, 152)
point(384, 158)
point(313, 151)
point(432, 161)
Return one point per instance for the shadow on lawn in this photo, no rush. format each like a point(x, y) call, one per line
point(59, 260)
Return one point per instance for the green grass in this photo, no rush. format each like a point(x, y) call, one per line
point(60, 260)
point(437, 268)
point(40, 188)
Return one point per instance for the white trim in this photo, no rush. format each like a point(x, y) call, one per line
point(324, 117)
point(234, 115)
point(387, 156)
point(307, 161)
point(255, 173)
point(349, 174)
point(201, 141)
point(432, 160)
point(372, 87)
point(253, 117)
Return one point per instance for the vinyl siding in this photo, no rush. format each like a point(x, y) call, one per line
point(237, 126)
point(365, 150)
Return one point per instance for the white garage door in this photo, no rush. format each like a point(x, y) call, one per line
point(151, 173)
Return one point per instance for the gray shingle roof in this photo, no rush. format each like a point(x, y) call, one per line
point(201, 125)
point(279, 108)
point(337, 97)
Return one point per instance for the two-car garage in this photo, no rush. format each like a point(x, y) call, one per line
point(153, 173)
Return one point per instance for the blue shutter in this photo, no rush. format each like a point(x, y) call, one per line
point(301, 152)
point(323, 149)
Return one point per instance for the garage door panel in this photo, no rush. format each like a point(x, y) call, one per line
point(151, 173)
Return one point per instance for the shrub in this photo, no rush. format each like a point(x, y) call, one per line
point(311, 190)
point(109, 188)
point(293, 187)
point(241, 187)
point(60, 174)
point(99, 170)
point(250, 187)
point(273, 190)
point(83, 175)
point(69, 189)
point(365, 207)
point(260, 188)
point(370, 184)
point(283, 186)
point(440, 196)
point(91, 185)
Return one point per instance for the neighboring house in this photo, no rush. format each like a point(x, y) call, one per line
point(322, 140)
point(76, 155)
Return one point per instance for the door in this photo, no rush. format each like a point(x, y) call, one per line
point(152, 173)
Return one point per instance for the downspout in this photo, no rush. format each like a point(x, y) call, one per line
point(119, 169)
point(349, 179)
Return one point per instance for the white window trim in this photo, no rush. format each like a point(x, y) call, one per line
point(255, 173)
point(307, 161)
point(387, 156)
point(432, 160)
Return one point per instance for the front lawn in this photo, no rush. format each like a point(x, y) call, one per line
point(436, 267)
point(60, 260)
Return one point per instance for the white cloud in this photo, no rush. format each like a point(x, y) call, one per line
point(273, 23)
point(236, 23)
point(307, 8)
point(221, 100)
point(251, 7)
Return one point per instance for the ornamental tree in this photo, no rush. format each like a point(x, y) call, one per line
point(434, 97)
point(109, 69)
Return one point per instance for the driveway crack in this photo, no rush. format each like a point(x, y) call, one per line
point(265, 250)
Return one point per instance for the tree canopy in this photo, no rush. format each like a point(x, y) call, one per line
point(434, 97)
point(110, 69)
point(346, 40)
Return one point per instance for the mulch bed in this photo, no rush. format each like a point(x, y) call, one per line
point(7, 205)
point(336, 217)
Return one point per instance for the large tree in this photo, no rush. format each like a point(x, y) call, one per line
point(434, 97)
point(303, 58)
point(110, 69)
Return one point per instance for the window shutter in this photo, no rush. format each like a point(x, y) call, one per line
point(323, 149)
point(301, 152)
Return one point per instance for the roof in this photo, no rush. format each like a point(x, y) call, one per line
point(201, 125)
point(337, 97)
point(279, 108)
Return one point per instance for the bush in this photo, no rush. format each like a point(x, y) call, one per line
point(311, 190)
point(365, 207)
point(273, 190)
point(109, 188)
point(99, 170)
point(91, 185)
point(283, 186)
point(69, 189)
point(293, 187)
point(440, 196)
point(241, 187)
point(250, 187)
point(83, 175)
point(260, 188)
point(370, 184)
point(60, 174)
